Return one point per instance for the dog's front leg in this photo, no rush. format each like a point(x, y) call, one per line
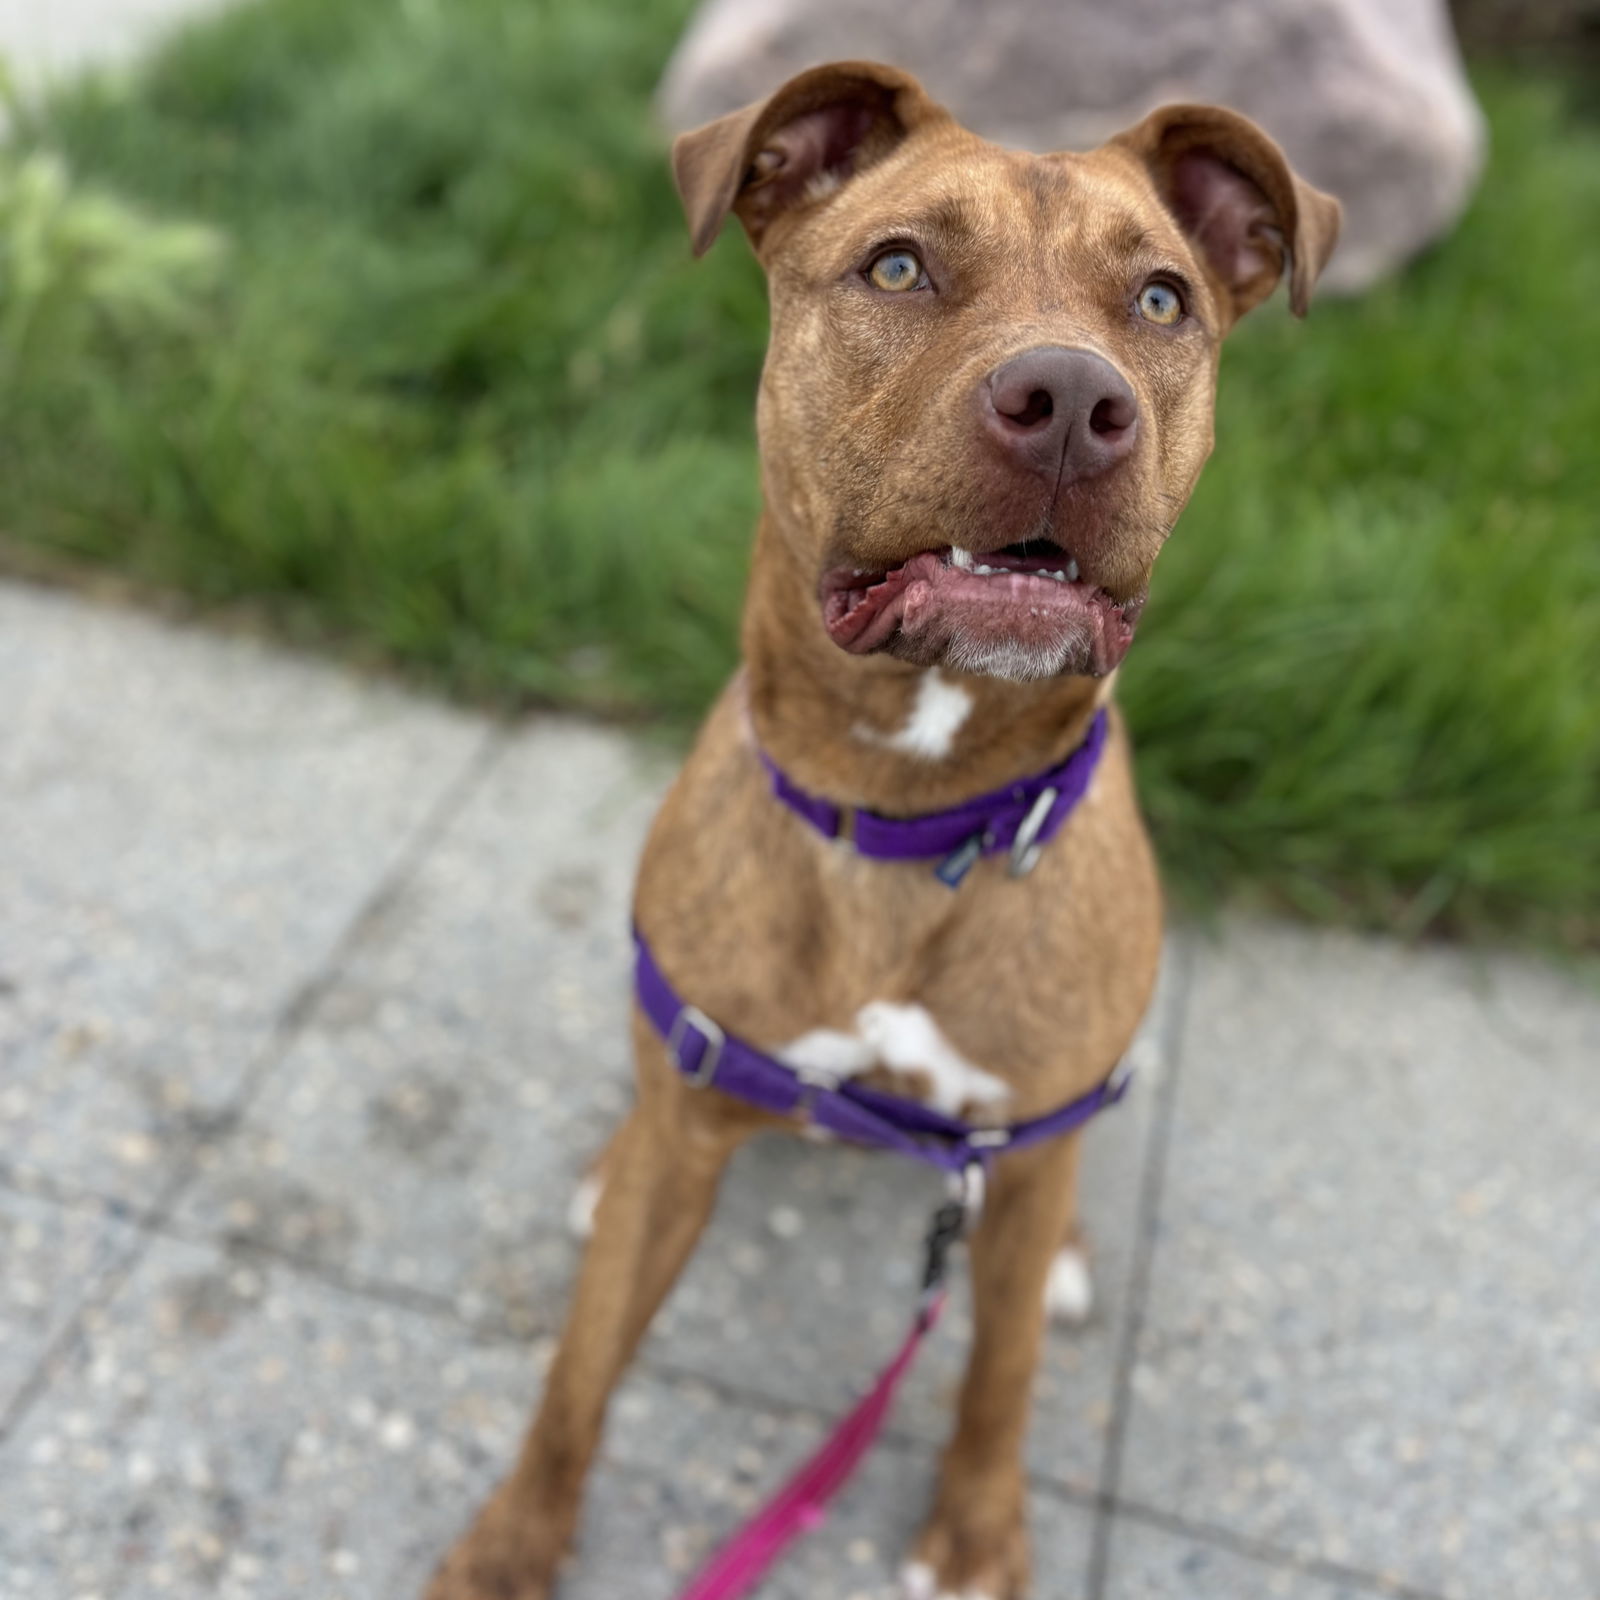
point(975, 1543)
point(661, 1173)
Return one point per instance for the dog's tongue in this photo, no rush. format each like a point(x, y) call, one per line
point(934, 603)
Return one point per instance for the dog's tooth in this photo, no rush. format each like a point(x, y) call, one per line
point(1072, 570)
point(985, 572)
point(960, 558)
point(1060, 577)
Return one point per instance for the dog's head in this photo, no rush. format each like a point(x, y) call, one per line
point(990, 383)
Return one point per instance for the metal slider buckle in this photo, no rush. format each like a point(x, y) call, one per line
point(715, 1039)
point(970, 1188)
point(1026, 848)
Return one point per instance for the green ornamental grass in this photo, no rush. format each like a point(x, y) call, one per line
point(394, 336)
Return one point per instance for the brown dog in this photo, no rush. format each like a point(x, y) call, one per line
point(987, 398)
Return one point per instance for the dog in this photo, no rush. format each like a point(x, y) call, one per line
point(987, 397)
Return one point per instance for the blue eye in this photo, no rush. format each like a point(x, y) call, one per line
point(896, 271)
point(1161, 303)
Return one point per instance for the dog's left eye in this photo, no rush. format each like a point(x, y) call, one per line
point(897, 270)
point(1160, 302)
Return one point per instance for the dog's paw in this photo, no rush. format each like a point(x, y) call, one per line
point(1069, 1290)
point(502, 1556)
point(917, 1582)
point(466, 1577)
point(976, 1550)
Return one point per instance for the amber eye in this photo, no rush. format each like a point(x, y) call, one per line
point(1160, 302)
point(897, 270)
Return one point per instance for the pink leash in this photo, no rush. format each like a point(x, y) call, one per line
point(801, 1504)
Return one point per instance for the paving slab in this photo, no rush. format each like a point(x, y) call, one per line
point(51, 1257)
point(1371, 1335)
point(225, 1430)
point(1151, 1564)
point(1368, 1343)
point(437, 1113)
point(231, 1428)
point(188, 823)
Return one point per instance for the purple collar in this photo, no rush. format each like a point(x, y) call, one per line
point(1020, 818)
point(709, 1057)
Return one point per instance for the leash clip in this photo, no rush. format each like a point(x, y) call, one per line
point(951, 1223)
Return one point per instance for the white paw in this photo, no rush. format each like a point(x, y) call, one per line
point(1069, 1290)
point(581, 1208)
point(917, 1583)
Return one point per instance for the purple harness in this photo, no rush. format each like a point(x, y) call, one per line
point(1021, 818)
point(711, 1058)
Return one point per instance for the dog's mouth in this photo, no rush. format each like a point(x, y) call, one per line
point(1028, 600)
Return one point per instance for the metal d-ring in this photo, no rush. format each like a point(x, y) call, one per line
point(1027, 847)
point(968, 1189)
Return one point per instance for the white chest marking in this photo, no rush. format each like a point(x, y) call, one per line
point(937, 714)
point(828, 1055)
point(903, 1038)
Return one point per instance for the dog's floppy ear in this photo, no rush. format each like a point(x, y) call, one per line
point(1236, 197)
point(794, 147)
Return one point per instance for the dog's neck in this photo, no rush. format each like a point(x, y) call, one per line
point(875, 732)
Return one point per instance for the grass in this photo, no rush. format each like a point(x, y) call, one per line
point(452, 394)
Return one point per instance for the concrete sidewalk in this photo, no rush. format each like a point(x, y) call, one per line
point(311, 1011)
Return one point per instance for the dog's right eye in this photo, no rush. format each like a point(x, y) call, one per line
point(897, 271)
point(1160, 303)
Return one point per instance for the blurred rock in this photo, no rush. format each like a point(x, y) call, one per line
point(1522, 24)
point(1367, 96)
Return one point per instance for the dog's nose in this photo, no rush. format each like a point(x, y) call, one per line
point(1056, 408)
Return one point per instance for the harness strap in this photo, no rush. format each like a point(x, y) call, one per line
point(710, 1057)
